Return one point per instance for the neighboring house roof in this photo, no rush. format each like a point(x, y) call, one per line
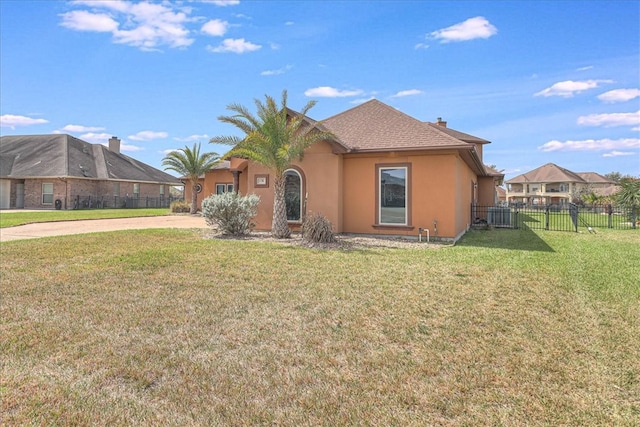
point(547, 173)
point(61, 155)
point(502, 193)
point(594, 178)
point(554, 173)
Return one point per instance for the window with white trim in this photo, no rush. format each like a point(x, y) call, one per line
point(136, 190)
point(47, 193)
point(224, 188)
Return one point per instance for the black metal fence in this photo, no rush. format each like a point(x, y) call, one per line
point(557, 218)
point(116, 202)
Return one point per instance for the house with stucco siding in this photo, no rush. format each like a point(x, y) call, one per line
point(385, 173)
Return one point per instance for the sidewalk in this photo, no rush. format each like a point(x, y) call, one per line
point(61, 228)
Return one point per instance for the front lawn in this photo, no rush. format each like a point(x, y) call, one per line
point(11, 219)
point(165, 327)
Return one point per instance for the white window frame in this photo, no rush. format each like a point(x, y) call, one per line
point(44, 193)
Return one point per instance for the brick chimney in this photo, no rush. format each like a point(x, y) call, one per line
point(440, 122)
point(114, 144)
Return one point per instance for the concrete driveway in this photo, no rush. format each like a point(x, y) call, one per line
point(61, 228)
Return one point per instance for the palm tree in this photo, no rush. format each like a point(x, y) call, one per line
point(189, 163)
point(275, 138)
point(629, 194)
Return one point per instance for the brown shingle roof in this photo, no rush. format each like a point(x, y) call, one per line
point(375, 126)
point(459, 135)
point(593, 177)
point(547, 173)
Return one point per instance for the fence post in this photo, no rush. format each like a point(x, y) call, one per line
point(609, 216)
point(546, 218)
point(634, 218)
point(515, 220)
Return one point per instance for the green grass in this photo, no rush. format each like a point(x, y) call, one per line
point(12, 219)
point(159, 327)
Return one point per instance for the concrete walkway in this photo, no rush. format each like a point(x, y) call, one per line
point(61, 228)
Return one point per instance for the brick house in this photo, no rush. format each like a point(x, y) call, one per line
point(57, 171)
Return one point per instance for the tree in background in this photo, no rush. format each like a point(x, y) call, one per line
point(618, 178)
point(275, 138)
point(189, 163)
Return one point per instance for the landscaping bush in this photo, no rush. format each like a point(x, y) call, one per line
point(317, 228)
point(230, 212)
point(180, 206)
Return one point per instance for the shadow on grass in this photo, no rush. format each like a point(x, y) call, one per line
point(522, 239)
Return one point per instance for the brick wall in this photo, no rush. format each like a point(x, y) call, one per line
point(66, 190)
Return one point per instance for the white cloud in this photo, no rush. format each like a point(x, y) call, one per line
point(588, 67)
point(234, 46)
point(610, 120)
point(276, 72)
point(81, 20)
point(215, 27)
point(145, 25)
point(330, 92)
point(568, 88)
point(288, 23)
point(473, 28)
point(80, 128)
point(148, 135)
point(421, 46)
point(619, 95)
point(409, 92)
point(591, 145)
point(193, 138)
point(11, 121)
point(619, 154)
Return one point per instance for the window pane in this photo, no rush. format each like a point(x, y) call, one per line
point(230, 188)
point(292, 195)
point(220, 188)
point(47, 194)
point(393, 196)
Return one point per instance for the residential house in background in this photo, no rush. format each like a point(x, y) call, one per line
point(57, 171)
point(553, 185)
point(384, 173)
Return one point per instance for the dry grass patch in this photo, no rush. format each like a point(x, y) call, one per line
point(165, 327)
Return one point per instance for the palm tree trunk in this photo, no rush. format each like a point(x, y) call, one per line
point(194, 198)
point(279, 226)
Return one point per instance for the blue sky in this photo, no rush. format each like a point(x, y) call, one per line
point(544, 81)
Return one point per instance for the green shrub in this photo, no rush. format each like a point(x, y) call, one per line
point(180, 206)
point(231, 213)
point(317, 228)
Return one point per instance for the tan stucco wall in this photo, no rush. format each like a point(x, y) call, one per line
point(436, 177)
point(343, 188)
